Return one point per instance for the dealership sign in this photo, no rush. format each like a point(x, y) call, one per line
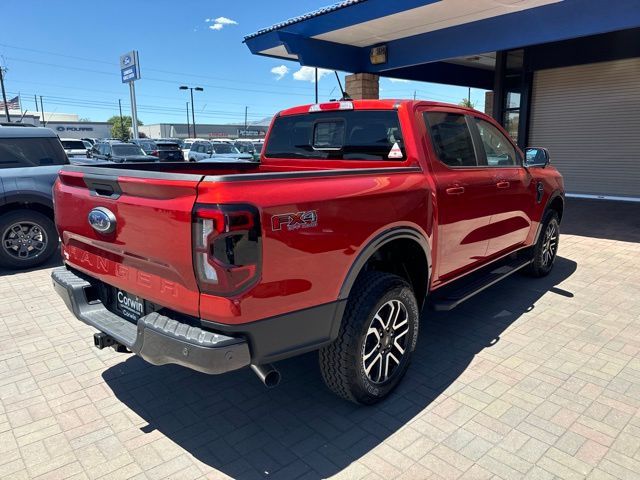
point(130, 66)
point(74, 129)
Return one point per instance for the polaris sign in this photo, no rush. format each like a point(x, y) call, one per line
point(74, 129)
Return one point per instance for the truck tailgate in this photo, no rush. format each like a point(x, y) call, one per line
point(148, 254)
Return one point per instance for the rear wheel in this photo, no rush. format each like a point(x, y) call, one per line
point(546, 248)
point(377, 335)
point(28, 239)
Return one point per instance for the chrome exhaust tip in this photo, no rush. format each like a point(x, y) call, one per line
point(267, 374)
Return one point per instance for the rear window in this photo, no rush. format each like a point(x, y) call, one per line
point(127, 150)
point(168, 146)
point(73, 144)
point(31, 152)
point(224, 148)
point(337, 135)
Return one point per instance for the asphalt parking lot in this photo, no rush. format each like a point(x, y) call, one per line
point(531, 379)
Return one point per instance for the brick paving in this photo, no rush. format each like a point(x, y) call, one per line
point(533, 379)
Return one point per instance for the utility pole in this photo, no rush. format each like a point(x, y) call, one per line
point(245, 119)
point(316, 84)
point(414, 94)
point(4, 95)
point(42, 120)
point(35, 99)
point(188, 128)
point(121, 120)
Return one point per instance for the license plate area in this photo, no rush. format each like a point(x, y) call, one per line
point(129, 306)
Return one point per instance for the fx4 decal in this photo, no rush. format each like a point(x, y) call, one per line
point(294, 221)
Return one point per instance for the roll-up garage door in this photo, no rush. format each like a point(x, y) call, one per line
point(588, 116)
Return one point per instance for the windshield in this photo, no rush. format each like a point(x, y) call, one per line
point(224, 148)
point(337, 135)
point(126, 150)
point(73, 145)
point(187, 145)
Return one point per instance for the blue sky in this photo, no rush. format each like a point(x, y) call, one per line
point(68, 51)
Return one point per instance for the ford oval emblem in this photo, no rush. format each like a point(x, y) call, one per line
point(102, 220)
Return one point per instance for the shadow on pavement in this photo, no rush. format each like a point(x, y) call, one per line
point(602, 219)
point(232, 423)
point(54, 261)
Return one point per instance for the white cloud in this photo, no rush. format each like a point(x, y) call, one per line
point(280, 71)
point(225, 21)
point(398, 80)
point(307, 74)
point(220, 22)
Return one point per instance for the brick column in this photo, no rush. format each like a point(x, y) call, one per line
point(488, 103)
point(360, 86)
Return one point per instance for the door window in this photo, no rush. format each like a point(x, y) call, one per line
point(31, 152)
point(451, 139)
point(498, 149)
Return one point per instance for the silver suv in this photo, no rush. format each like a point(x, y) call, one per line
point(29, 162)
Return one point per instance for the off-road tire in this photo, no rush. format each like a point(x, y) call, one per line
point(539, 267)
point(30, 217)
point(341, 362)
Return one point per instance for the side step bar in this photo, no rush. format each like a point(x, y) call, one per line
point(455, 297)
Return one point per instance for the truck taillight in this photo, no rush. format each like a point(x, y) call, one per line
point(227, 247)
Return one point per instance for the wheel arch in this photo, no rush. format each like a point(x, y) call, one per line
point(36, 203)
point(403, 251)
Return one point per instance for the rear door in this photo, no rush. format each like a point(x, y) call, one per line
point(512, 196)
point(149, 253)
point(463, 188)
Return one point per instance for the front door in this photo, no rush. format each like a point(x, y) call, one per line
point(512, 189)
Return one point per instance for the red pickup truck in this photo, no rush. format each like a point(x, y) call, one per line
point(358, 214)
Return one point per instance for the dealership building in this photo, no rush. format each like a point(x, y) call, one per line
point(205, 130)
point(562, 74)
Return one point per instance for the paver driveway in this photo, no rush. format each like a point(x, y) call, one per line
point(533, 378)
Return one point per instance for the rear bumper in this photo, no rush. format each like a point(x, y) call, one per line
point(156, 338)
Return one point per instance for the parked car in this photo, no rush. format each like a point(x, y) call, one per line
point(216, 151)
point(90, 140)
point(74, 147)
point(30, 158)
point(257, 150)
point(147, 146)
point(359, 212)
point(168, 151)
point(116, 151)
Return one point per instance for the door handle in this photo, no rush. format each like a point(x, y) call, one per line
point(454, 190)
point(503, 184)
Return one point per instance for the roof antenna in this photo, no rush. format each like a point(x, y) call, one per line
point(345, 96)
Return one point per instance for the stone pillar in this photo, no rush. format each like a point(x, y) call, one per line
point(488, 103)
point(361, 86)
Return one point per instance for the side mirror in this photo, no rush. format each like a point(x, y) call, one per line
point(89, 153)
point(209, 152)
point(536, 157)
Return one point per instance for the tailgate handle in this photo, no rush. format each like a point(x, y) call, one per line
point(103, 186)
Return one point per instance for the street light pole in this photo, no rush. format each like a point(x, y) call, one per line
point(193, 107)
point(188, 128)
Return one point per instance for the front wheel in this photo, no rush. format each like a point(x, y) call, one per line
point(28, 239)
point(546, 248)
point(377, 335)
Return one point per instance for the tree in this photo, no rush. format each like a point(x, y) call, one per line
point(467, 103)
point(121, 128)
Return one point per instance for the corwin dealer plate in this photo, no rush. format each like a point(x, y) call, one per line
point(130, 306)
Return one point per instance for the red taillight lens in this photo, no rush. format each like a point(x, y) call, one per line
point(226, 247)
